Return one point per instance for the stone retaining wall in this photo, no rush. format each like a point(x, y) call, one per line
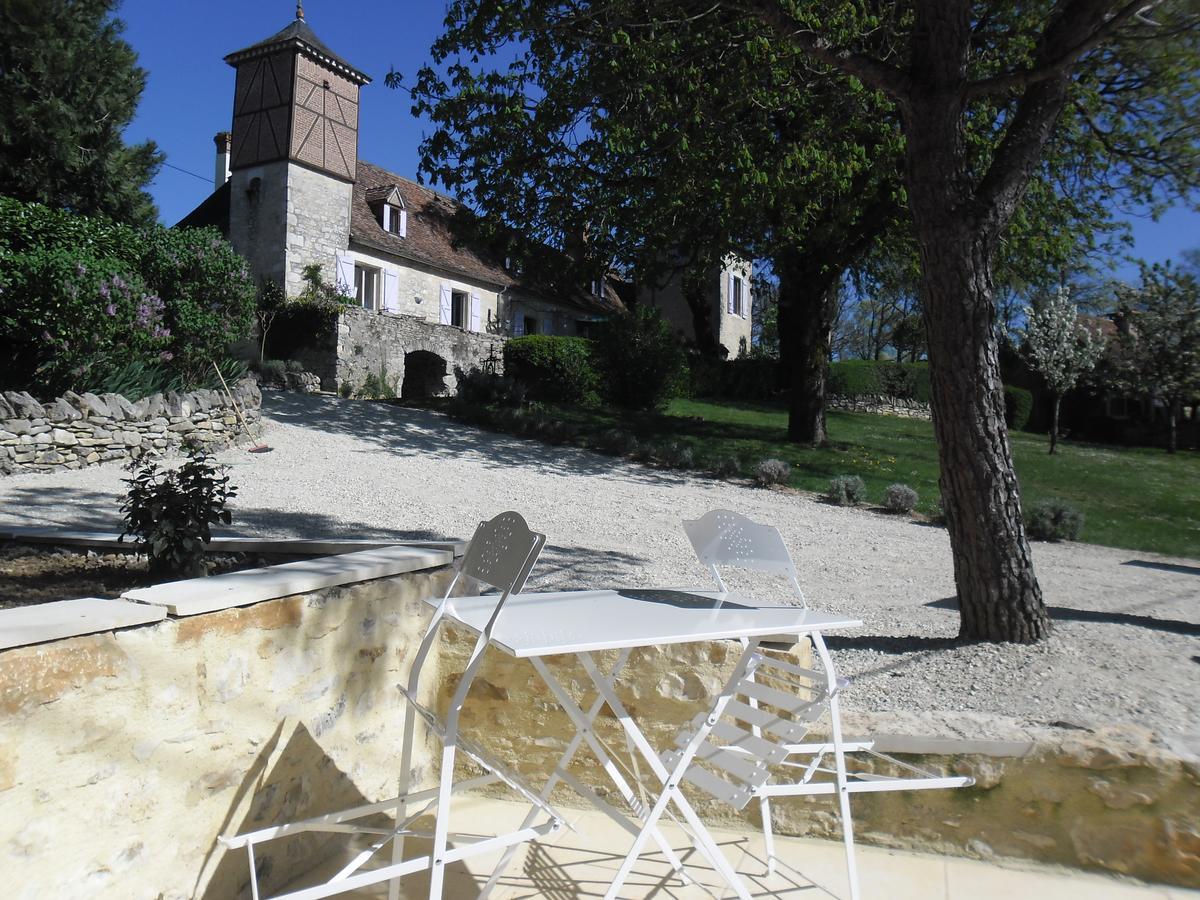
point(880, 404)
point(123, 756)
point(78, 430)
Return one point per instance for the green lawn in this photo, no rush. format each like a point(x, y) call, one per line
point(1141, 499)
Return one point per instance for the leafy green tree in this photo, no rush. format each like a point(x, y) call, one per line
point(812, 133)
point(1160, 339)
point(71, 85)
point(1060, 348)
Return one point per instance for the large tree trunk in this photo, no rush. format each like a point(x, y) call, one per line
point(696, 294)
point(807, 303)
point(998, 594)
point(1054, 422)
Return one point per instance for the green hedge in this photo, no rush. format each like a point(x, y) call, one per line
point(553, 368)
point(83, 298)
point(1018, 404)
point(736, 379)
point(640, 359)
point(858, 377)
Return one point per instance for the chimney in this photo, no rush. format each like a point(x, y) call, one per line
point(224, 142)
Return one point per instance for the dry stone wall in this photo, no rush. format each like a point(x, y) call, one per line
point(880, 404)
point(78, 430)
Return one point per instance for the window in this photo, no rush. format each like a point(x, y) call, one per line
point(395, 219)
point(459, 310)
point(597, 287)
point(737, 301)
point(366, 286)
point(531, 325)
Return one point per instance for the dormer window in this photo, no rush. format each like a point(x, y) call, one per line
point(597, 287)
point(395, 219)
point(388, 206)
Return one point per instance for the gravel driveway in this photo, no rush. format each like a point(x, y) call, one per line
point(1126, 646)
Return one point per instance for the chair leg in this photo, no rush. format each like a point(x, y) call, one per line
point(402, 807)
point(441, 831)
point(764, 806)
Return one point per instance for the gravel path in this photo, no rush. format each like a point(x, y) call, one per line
point(1126, 646)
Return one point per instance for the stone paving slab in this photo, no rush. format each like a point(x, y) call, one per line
point(202, 595)
point(317, 547)
point(69, 618)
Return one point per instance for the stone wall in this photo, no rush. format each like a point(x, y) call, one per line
point(881, 404)
point(368, 341)
point(123, 756)
point(78, 430)
point(318, 224)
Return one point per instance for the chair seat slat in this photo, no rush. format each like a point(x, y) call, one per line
point(731, 736)
point(767, 721)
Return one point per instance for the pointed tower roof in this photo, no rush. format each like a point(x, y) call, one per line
point(299, 36)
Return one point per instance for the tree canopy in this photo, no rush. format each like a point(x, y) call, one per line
point(71, 85)
point(990, 133)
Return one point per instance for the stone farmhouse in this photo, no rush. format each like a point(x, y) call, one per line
point(290, 192)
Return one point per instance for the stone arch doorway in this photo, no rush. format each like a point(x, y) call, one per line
point(424, 375)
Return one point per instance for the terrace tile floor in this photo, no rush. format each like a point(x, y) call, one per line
point(579, 862)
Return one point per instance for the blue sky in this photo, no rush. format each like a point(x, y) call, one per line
point(189, 91)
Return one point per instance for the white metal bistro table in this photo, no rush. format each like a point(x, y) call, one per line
point(580, 623)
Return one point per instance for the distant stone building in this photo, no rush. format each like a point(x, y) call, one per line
point(291, 192)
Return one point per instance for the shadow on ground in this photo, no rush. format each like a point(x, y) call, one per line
point(405, 431)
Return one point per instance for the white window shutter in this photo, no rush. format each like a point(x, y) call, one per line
point(444, 315)
point(391, 292)
point(729, 304)
point(387, 217)
point(476, 312)
point(518, 322)
point(403, 223)
point(345, 274)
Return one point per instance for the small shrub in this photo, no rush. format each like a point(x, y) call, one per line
point(640, 360)
point(772, 471)
point(293, 365)
point(1018, 404)
point(381, 386)
point(552, 367)
point(938, 515)
point(272, 371)
point(900, 498)
point(346, 390)
point(478, 386)
point(616, 441)
point(675, 455)
point(169, 511)
point(846, 490)
point(726, 467)
point(1053, 520)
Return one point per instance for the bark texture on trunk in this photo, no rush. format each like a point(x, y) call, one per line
point(807, 301)
point(1054, 422)
point(957, 233)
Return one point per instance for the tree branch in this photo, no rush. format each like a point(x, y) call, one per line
point(1063, 61)
point(870, 71)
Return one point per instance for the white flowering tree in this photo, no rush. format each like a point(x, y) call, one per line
point(1160, 345)
point(1060, 348)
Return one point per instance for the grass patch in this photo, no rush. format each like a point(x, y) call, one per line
point(1136, 498)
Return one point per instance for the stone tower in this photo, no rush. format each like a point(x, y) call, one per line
point(294, 154)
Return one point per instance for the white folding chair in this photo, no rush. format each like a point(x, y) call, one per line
point(757, 747)
point(501, 554)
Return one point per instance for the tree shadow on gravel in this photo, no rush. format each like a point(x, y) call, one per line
point(406, 431)
point(1069, 614)
point(90, 510)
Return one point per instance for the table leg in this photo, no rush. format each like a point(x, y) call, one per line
point(583, 732)
point(671, 792)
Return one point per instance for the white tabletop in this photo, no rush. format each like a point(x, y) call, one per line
point(582, 621)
